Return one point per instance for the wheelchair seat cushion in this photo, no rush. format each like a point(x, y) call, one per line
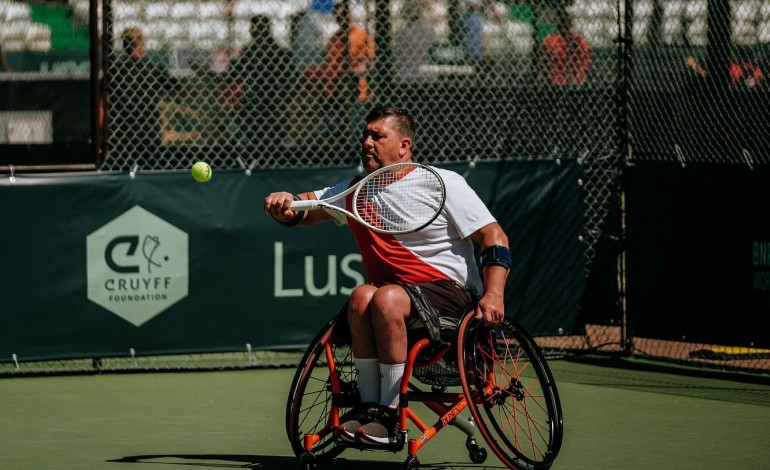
point(445, 371)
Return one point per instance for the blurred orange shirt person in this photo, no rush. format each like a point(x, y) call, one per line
point(565, 55)
point(360, 53)
point(745, 73)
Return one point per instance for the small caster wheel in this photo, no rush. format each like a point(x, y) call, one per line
point(477, 454)
point(308, 461)
point(411, 463)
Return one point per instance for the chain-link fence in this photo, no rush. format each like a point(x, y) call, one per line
point(272, 86)
point(699, 81)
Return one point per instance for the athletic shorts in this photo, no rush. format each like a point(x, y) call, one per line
point(440, 305)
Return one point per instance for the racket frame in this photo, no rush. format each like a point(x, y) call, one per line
point(314, 204)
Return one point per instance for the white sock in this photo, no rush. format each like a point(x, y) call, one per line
point(390, 384)
point(368, 379)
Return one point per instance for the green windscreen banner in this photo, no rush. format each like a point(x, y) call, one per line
point(97, 264)
point(698, 253)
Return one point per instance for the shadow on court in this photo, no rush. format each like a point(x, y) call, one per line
point(271, 462)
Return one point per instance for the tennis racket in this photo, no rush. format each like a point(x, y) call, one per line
point(395, 199)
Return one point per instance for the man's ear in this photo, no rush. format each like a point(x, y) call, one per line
point(406, 147)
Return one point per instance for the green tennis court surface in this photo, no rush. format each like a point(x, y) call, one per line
point(614, 419)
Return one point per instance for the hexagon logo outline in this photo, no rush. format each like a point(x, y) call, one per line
point(137, 265)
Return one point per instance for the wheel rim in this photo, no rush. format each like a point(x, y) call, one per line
point(310, 401)
point(512, 395)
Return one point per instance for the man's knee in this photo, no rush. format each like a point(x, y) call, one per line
point(391, 300)
point(360, 299)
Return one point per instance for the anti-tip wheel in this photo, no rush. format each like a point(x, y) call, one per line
point(411, 463)
point(477, 454)
point(308, 461)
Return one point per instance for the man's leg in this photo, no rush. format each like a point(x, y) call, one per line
point(364, 360)
point(364, 348)
point(389, 308)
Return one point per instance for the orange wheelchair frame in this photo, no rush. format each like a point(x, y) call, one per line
point(505, 382)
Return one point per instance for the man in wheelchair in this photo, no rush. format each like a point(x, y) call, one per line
point(416, 280)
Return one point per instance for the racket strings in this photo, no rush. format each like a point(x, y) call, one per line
point(401, 200)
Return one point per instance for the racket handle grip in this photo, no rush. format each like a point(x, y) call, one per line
point(305, 205)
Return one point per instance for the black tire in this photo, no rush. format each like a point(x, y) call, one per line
point(411, 463)
point(476, 453)
point(511, 393)
point(310, 399)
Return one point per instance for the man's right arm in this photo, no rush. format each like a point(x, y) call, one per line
point(277, 205)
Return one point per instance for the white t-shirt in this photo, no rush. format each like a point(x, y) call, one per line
point(440, 251)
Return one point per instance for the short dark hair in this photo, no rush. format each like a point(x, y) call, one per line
point(404, 122)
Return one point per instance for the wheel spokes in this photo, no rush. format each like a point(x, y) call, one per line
point(512, 394)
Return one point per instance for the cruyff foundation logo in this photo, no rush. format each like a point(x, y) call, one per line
point(149, 247)
point(137, 265)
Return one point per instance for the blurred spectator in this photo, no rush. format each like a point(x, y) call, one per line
point(565, 55)
point(136, 88)
point(360, 48)
point(264, 75)
point(474, 17)
point(345, 84)
point(413, 42)
point(742, 72)
point(331, 95)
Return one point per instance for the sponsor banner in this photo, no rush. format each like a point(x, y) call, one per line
point(99, 264)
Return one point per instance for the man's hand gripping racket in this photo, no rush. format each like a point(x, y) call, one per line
point(395, 199)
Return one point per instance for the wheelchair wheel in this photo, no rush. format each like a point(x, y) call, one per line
point(511, 393)
point(308, 411)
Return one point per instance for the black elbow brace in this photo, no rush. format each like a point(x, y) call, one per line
point(496, 255)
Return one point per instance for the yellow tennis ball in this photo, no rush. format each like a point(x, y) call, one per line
point(201, 172)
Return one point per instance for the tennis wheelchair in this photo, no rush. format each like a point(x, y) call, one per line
point(503, 379)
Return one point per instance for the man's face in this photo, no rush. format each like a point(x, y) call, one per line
point(382, 145)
